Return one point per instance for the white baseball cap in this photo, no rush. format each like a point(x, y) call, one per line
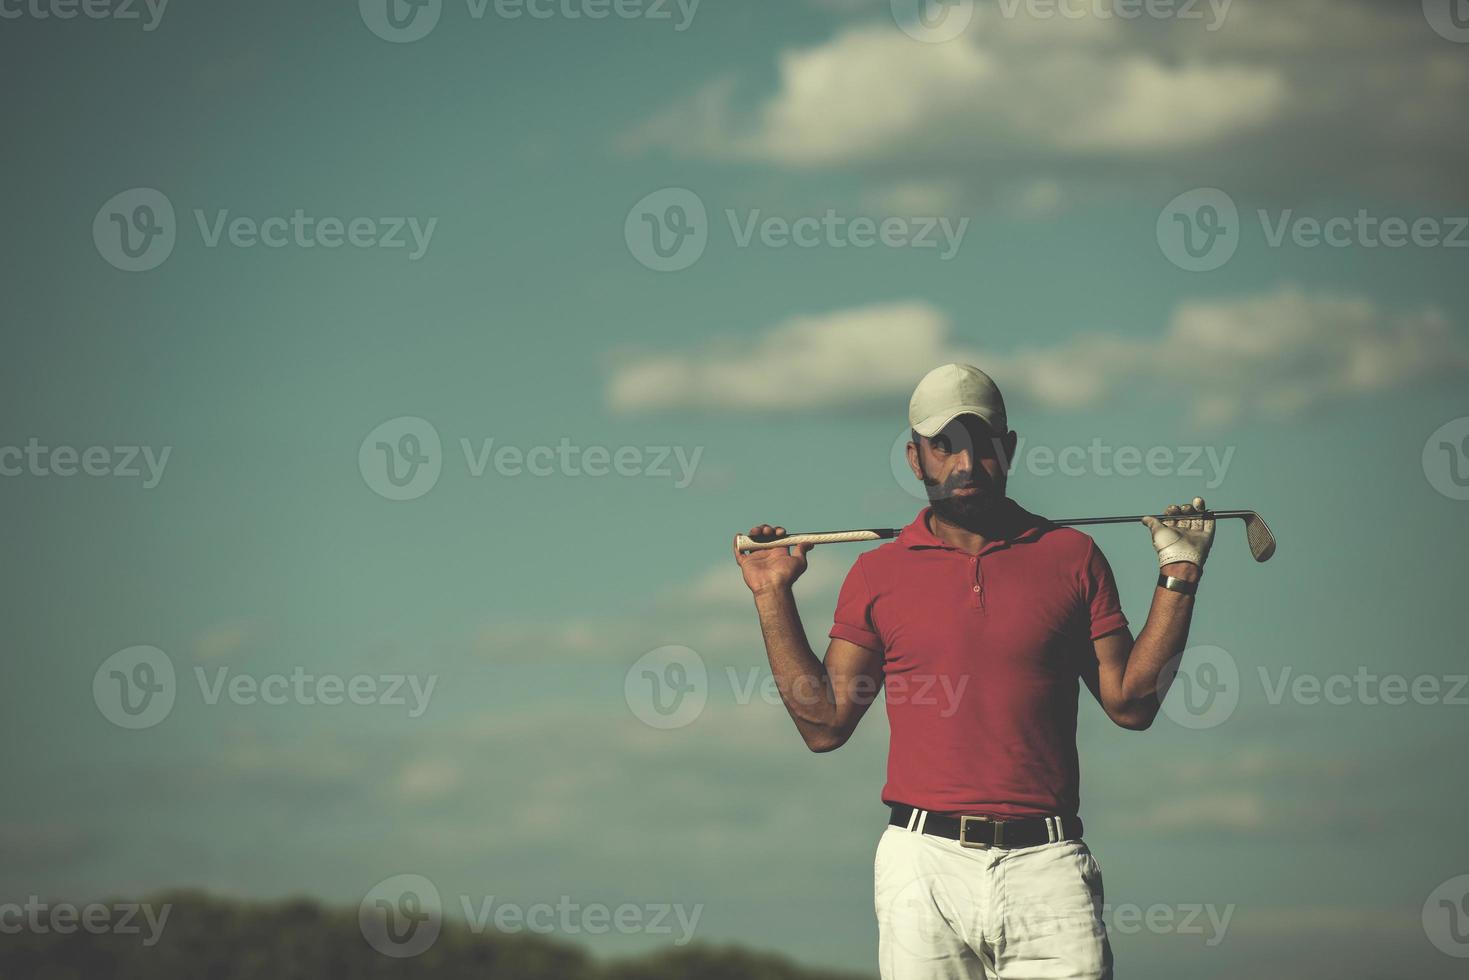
point(952, 390)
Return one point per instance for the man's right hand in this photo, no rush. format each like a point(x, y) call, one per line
point(771, 569)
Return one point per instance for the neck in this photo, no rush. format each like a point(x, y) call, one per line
point(969, 535)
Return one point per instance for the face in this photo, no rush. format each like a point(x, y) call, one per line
point(963, 468)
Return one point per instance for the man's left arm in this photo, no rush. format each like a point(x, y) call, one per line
point(1124, 676)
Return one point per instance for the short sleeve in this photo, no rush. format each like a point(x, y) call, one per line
point(1099, 591)
point(853, 618)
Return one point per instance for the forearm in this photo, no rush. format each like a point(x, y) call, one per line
point(800, 677)
point(1162, 638)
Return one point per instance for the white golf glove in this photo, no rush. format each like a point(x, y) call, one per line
point(1182, 540)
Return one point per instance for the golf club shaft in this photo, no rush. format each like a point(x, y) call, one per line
point(746, 543)
point(1206, 515)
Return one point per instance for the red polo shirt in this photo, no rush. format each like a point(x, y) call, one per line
point(981, 661)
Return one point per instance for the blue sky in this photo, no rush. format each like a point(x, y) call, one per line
point(1073, 152)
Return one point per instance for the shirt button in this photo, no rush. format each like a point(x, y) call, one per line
point(976, 588)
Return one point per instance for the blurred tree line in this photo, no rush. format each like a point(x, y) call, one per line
point(211, 938)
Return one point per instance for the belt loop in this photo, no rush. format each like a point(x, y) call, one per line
point(912, 816)
point(922, 820)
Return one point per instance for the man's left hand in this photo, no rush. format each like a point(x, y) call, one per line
point(1182, 540)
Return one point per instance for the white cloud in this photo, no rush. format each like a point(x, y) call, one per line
point(871, 94)
point(1350, 90)
point(1239, 812)
point(804, 362)
point(1272, 355)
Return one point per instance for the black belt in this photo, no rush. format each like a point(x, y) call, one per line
point(986, 831)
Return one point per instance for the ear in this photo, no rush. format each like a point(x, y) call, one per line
point(914, 461)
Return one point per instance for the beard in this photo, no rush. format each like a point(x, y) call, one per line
point(975, 510)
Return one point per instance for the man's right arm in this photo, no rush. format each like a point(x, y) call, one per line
point(825, 700)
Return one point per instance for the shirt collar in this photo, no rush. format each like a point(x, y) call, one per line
point(1019, 525)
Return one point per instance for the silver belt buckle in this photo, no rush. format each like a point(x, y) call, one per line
point(964, 840)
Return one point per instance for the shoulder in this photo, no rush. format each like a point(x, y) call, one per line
point(1069, 547)
point(876, 564)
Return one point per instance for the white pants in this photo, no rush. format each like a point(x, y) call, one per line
point(947, 912)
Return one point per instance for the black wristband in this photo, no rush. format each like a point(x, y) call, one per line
point(1177, 584)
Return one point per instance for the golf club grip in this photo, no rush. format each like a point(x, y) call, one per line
point(746, 543)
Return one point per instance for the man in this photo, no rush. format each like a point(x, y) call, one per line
point(979, 618)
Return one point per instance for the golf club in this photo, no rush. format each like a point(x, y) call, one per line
point(1257, 532)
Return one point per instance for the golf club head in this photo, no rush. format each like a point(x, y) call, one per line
point(1257, 533)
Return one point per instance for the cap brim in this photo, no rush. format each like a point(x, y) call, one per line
point(934, 424)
